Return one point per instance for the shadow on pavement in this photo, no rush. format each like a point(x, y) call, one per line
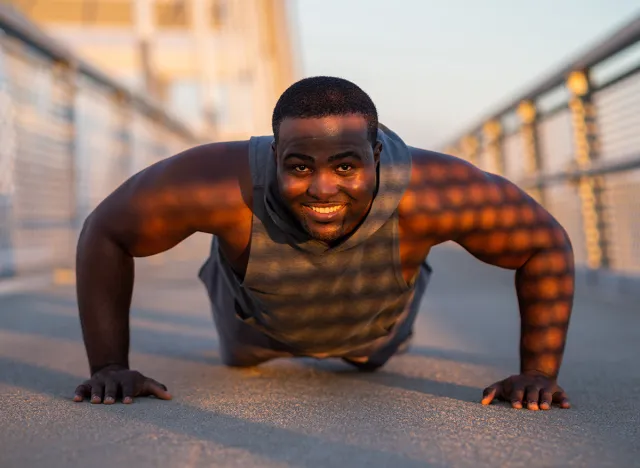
point(422, 385)
point(269, 441)
point(31, 319)
point(458, 356)
point(167, 317)
point(392, 379)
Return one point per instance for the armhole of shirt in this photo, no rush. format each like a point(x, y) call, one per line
point(257, 164)
point(397, 261)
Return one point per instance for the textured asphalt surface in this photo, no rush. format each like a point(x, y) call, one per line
point(421, 410)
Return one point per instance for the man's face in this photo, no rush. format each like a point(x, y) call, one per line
point(327, 173)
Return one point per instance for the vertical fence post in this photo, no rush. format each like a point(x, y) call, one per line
point(492, 133)
point(470, 146)
point(528, 115)
point(590, 188)
point(123, 135)
point(66, 74)
point(8, 157)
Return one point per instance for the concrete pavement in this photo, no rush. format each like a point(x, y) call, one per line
point(421, 410)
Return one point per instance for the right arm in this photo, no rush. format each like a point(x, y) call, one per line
point(199, 190)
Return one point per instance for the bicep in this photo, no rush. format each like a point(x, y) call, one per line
point(503, 225)
point(489, 216)
point(169, 201)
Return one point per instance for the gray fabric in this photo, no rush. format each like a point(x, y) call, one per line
point(300, 297)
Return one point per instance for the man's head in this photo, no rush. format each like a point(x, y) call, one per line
point(327, 153)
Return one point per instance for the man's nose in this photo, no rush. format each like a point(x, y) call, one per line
point(323, 185)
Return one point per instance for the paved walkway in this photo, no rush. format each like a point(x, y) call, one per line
point(421, 410)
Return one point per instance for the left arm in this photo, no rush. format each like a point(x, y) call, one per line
point(498, 223)
point(513, 231)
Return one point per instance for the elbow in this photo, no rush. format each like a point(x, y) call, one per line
point(95, 234)
point(562, 240)
point(91, 228)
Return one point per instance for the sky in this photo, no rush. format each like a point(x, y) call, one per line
point(435, 67)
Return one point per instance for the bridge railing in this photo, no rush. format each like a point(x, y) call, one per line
point(573, 142)
point(69, 135)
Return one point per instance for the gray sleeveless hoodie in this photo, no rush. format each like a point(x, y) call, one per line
point(305, 295)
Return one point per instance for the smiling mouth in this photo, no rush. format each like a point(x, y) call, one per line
point(325, 209)
point(324, 213)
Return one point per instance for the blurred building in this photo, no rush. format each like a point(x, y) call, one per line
point(218, 65)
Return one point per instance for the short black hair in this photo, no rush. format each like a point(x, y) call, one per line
point(322, 96)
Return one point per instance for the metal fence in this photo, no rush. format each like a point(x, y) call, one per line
point(69, 136)
point(573, 142)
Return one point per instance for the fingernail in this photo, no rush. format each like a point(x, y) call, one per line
point(127, 400)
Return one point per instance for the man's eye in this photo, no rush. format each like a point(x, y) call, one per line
point(300, 168)
point(345, 167)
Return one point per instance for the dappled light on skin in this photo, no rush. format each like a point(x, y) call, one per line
point(543, 237)
point(550, 359)
point(447, 222)
point(494, 194)
point(521, 240)
point(458, 173)
point(547, 339)
point(552, 262)
point(499, 224)
point(447, 200)
point(568, 285)
point(456, 196)
point(560, 312)
point(508, 216)
point(488, 217)
point(548, 288)
point(434, 172)
point(467, 219)
point(497, 243)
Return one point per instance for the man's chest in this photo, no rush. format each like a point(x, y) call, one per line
point(235, 244)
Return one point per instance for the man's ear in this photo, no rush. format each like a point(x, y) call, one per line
point(274, 149)
point(377, 149)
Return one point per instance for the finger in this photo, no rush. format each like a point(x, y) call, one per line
point(561, 399)
point(155, 388)
point(110, 391)
point(532, 397)
point(516, 397)
point(128, 387)
point(489, 394)
point(546, 397)
point(97, 391)
point(82, 391)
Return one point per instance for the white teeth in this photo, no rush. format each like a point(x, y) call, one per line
point(331, 209)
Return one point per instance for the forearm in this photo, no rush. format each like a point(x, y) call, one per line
point(104, 286)
point(545, 290)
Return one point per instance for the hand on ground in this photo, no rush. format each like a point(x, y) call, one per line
point(115, 382)
point(531, 390)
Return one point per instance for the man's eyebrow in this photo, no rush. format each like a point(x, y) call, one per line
point(346, 154)
point(335, 157)
point(304, 157)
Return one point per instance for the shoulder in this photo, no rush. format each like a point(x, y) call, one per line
point(441, 188)
point(212, 161)
point(204, 170)
point(436, 175)
point(432, 166)
point(194, 185)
